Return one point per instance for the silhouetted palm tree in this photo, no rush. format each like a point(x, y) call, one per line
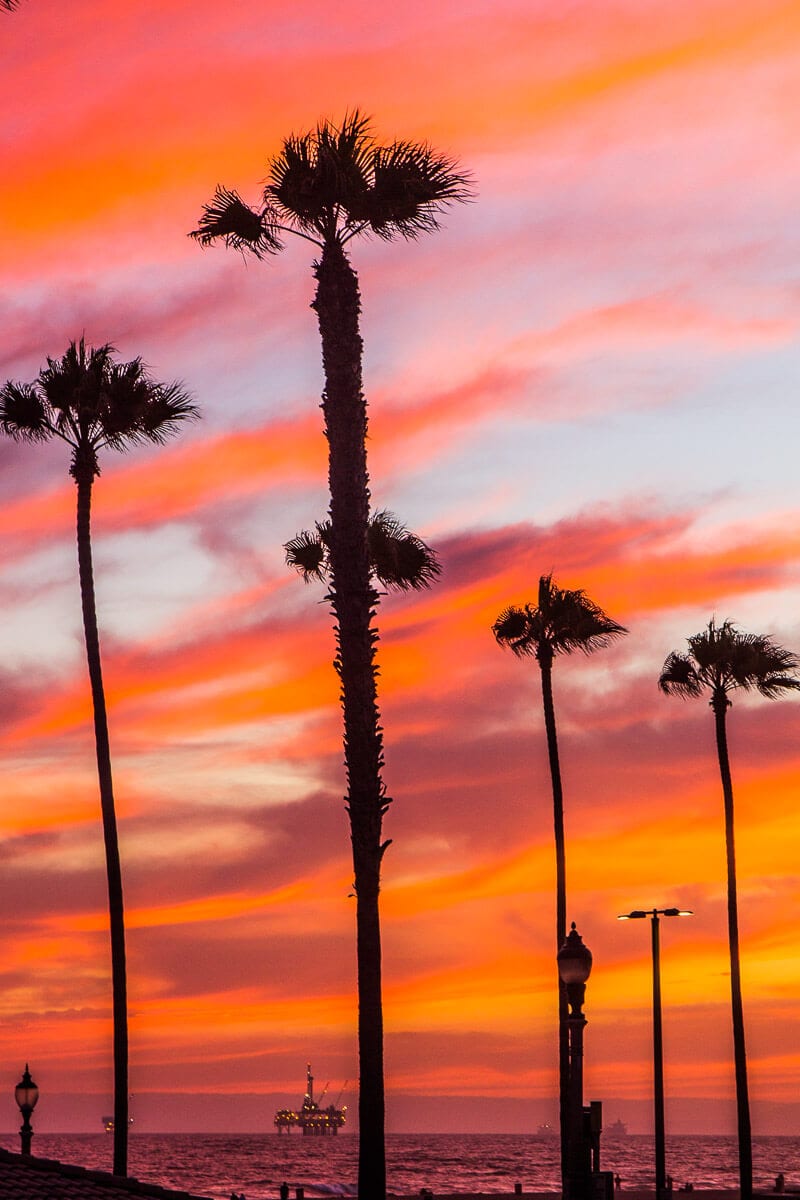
point(329, 186)
point(92, 403)
point(720, 660)
point(562, 621)
point(9, 5)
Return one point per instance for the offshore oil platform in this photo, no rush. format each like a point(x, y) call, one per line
point(312, 1119)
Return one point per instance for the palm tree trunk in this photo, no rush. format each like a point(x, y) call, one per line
point(545, 657)
point(84, 473)
point(720, 706)
point(353, 598)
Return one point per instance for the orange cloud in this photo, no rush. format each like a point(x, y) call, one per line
point(163, 152)
point(173, 483)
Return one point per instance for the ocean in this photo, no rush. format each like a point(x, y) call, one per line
point(256, 1164)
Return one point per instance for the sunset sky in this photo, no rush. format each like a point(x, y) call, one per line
point(593, 370)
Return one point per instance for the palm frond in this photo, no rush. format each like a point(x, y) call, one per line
point(9, 5)
point(679, 677)
point(577, 623)
point(239, 226)
point(774, 685)
point(75, 388)
point(352, 141)
point(23, 414)
point(568, 619)
point(167, 407)
point(296, 188)
point(768, 667)
point(513, 630)
point(122, 396)
point(320, 172)
point(399, 559)
point(715, 645)
point(308, 555)
point(344, 154)
point(411, 184)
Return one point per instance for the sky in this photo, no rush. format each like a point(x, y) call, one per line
point(591, 370)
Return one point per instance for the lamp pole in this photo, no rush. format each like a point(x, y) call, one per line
point(574, 966)
point(658, 1044)
point(26, 1094)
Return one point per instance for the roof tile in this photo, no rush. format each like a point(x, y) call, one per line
point(24, 1177)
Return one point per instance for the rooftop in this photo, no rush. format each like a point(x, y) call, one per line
point(24, 1177)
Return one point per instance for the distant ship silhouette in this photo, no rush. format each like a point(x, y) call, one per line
point(618, 1129)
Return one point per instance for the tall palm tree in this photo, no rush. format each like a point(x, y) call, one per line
point(329, 186)
point(91, 402)
point(721, 660)
point(562, 620)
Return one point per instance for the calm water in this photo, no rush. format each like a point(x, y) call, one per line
point(256, 1164)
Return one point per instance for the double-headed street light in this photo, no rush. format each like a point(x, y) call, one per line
point(658, 1046)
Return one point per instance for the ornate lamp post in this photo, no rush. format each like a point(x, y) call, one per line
point(658, 1045)
point(574, 966)
point(26, 1094)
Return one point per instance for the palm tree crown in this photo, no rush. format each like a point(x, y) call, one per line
point(563, 620)
point(722, 659)
point(333, 183)
point(399, 559)
point(90, 401)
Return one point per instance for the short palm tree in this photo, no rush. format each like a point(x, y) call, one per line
point(721, 660)
point(562, 620)
point(330, 186)
point(91, 402)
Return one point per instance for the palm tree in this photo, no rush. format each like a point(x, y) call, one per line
point(720, 660)
point(563, 620)
point(329, 186)
point(92, 403)
point(9, 5)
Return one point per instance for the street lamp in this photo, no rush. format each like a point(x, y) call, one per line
point(26, 1094)
point(574, 966)
point(658, 1045)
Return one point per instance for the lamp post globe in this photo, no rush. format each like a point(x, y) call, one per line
point(26, 1094)
point(574, 966)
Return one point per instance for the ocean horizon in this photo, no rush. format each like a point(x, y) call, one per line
point(217, 1164)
